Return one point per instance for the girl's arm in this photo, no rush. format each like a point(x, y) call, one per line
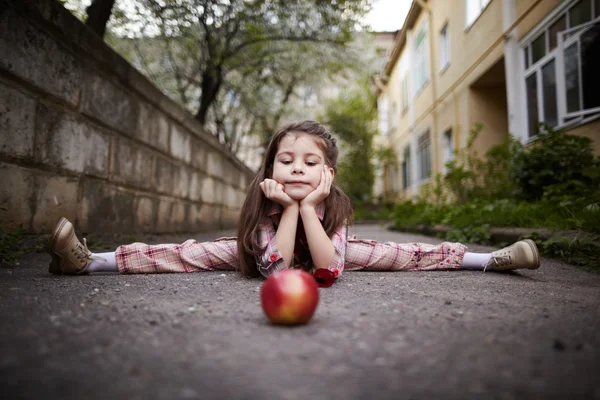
point(321, 249)
point(319, 244)
point(285, 237)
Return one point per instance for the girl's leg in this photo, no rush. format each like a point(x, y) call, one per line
point(103, 262)
point(190, 256)
point(475, 260)
point(70, 256)
point(369, 255)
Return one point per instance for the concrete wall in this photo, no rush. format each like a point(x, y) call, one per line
point(85, 136)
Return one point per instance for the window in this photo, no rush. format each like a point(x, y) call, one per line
point(392, 181)
point(474, 8)
point(448, 144)
point(382, 108)
point(396, 180)
point(421, 66)
point(405, 98)
point(394, 116)
point(406, 168)
point(581, 66)
point(424, 156)
point(561, 85)
point(444, 48)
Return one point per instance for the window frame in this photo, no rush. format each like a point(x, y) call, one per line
point(383, 111)
point(563, 44)
point(529, 68)
point(421, 56)
point(448, 141)
point(404, 94)
point(406, 168)
point(444, 47)
point(481, 5)
point(424, 164)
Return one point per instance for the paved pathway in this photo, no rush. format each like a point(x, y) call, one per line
point(412, 335)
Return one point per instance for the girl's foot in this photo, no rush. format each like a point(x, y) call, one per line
point(69, 256)
point(522, 254)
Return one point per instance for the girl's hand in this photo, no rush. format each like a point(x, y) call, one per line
point(273, 190)
point(322, 191)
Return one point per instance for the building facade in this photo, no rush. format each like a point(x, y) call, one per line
point(505, 64)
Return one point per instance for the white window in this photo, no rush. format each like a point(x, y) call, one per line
point(394, 116)
point(474, 9)
point(444, 48)
point(561, 64)
point(382, 108)
point(424, 156)
point(406, 171)
point(421, 65)
point(405, 98)
point(448, 143)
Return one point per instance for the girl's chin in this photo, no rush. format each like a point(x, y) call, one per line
point(296, 195)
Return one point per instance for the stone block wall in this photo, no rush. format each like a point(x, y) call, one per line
point(85, 136)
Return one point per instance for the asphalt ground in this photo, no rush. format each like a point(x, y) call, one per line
point(381, 335)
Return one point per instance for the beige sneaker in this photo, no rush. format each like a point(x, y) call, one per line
point(522, 254)
point(69, 256)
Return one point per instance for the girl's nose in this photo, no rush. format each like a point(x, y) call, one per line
point(297, 169)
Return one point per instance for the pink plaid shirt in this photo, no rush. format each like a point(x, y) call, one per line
point(272, 260)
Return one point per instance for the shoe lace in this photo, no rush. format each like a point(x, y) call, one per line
point(499, 261)
point(83, 254)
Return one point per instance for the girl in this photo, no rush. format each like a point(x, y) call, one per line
point(295, 216)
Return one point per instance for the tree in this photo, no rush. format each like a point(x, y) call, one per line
point(98, 14)
point(217, 50)
point(352, 118)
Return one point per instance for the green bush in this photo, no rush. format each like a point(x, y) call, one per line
point(409, 215)
point(470, 234)
point(10, 246)
point(556, 165)
point(470, 177)
point(553, 184)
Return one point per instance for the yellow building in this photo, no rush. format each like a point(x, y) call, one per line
point(507, 64)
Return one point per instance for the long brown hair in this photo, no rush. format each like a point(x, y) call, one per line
point(338, 210)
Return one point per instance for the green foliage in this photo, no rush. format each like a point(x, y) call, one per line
point(581, 251)
point(241, 67)
point(470, 234)
point(556, 164)
point(385, 154)
point(10, 246)
point(409, 215)
point(553, 184)
point(373, 212)
point(470, 177)
point(351, 117)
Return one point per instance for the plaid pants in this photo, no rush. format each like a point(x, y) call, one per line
point(221, 255)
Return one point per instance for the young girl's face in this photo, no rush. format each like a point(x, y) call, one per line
point(298, 165)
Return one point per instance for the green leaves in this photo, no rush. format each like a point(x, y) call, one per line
point(351, 118)
point(10, 246)
point(556, 164)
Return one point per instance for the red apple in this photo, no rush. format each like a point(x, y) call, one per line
point(289, 297)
